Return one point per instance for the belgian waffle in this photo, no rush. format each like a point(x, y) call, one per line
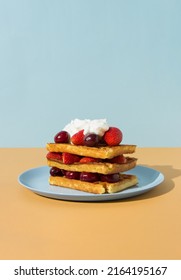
point(97, 167)
point(125, 182)
point(101, 152)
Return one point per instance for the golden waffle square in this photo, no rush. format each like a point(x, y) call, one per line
point(102, 152)
point(126, 181)
point(95, 167)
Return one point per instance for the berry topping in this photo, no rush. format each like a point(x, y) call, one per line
point(63, 172)
point(110, 178)
point(113, 136)
point(89, 177)
point(78, 138)
point(70, 158)
point(54, 171)
point(91, 139)
point(89, 159)
point(119, 159)
point(62, 137)
point(72, 175)
point(54, 156)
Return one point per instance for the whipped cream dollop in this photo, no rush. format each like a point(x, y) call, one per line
point(98, 126)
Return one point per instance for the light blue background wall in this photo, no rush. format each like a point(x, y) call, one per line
point(65, 59)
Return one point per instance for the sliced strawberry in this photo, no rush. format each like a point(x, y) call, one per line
point(119, 159)
point(70, 158)
point(54, 156)
point(113, 136)
point(78, 138)
point(89, 159)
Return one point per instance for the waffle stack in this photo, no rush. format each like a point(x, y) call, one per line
point(91, 166)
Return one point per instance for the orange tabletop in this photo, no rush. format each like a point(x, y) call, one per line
point(143, 227)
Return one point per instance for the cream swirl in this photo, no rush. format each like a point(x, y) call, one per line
point(97, 126)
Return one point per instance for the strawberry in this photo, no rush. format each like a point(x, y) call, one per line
point(113, 136)
point(119, 159)
point(54, 156)
point(89, 159)
point(78, 138)
point(70, 158)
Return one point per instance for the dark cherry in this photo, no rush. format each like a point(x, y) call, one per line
point(63, 172)
point(62, 137)
point(72, 175)
point(89, 177)
point(91, 139)
point(110, 178)
point(54, 171)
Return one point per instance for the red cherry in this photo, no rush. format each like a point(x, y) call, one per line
point(91, 139)
point(72, 175)
point(54, 171)
point(62, 137)
point(89, 177)
point(110, 178)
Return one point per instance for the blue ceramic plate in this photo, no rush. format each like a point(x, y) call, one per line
point(36, 180)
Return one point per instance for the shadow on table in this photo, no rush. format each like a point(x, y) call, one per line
point(166, 186)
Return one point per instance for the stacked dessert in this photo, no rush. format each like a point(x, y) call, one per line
point(87, 156)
